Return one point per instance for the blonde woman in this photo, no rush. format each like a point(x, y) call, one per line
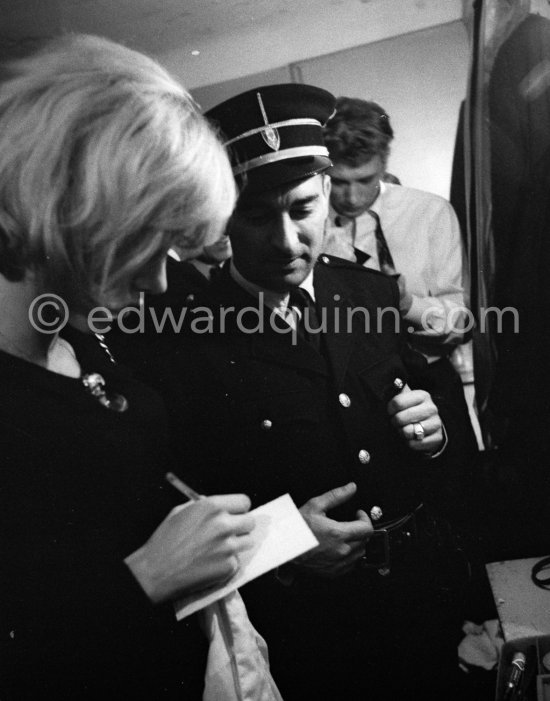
point(105, 163)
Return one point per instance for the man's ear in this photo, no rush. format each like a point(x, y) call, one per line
point(327, 184)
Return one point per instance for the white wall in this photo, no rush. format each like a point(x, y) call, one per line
point(311, 29)
point(420, 79)
point(210, 95)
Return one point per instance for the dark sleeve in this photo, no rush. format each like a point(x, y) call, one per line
point(74, 621)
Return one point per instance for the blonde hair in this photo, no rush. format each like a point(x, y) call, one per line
point(104, 161)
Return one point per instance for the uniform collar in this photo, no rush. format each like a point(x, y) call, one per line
point(277, 301)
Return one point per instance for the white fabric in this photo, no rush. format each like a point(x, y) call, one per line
point(481, 644)
point(238, 665)
point(423, 236)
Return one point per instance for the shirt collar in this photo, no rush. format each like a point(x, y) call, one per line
point(376, 206)
point(172, 253)
point(307, 285)
point(272, 299)
point(202, 267)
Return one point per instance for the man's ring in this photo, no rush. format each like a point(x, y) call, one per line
point(418, 431)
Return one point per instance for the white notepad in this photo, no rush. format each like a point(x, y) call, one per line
point(280, 535)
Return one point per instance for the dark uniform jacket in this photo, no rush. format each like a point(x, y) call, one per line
point(259, 413)
point(270, 415)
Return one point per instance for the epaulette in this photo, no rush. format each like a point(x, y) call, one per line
point(335, 262)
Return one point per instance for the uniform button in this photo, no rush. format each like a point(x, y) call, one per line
point(364, 456)
point(376, 513)
point(344, 400)
point(266, 424)
point(398, 383)
point(325, 259)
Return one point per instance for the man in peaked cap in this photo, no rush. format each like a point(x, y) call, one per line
point(287, 144)
point(269, 407)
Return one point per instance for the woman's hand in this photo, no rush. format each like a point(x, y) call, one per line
point(196, 546)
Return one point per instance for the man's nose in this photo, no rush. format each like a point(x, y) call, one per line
point(285, 234)
point(353, 194)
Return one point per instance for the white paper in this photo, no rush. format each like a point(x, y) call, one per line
point(280, 535)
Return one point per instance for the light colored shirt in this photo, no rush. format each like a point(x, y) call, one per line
point(276, 301)
point(423, 236)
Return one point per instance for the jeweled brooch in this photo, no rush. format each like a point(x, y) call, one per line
point(95, 385)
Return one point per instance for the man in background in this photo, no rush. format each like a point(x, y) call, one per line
point(163, 314)
point(209, 262)
point(405, 233)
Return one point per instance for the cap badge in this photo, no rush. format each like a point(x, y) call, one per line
point(269, 134)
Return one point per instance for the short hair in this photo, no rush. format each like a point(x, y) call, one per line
point(358, 131)
point(105, 159)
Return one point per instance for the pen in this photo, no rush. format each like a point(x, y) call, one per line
point(517, 667)
point(182, 487)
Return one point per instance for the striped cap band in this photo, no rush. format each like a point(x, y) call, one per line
point(273, 157)
point(275, 125)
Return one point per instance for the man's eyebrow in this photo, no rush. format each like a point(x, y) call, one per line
point(267, 204)
point(305, 200)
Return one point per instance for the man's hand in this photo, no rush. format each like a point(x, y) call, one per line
point(196, 546)
point(405, 297)
point(417, 420)
point(341, 544)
